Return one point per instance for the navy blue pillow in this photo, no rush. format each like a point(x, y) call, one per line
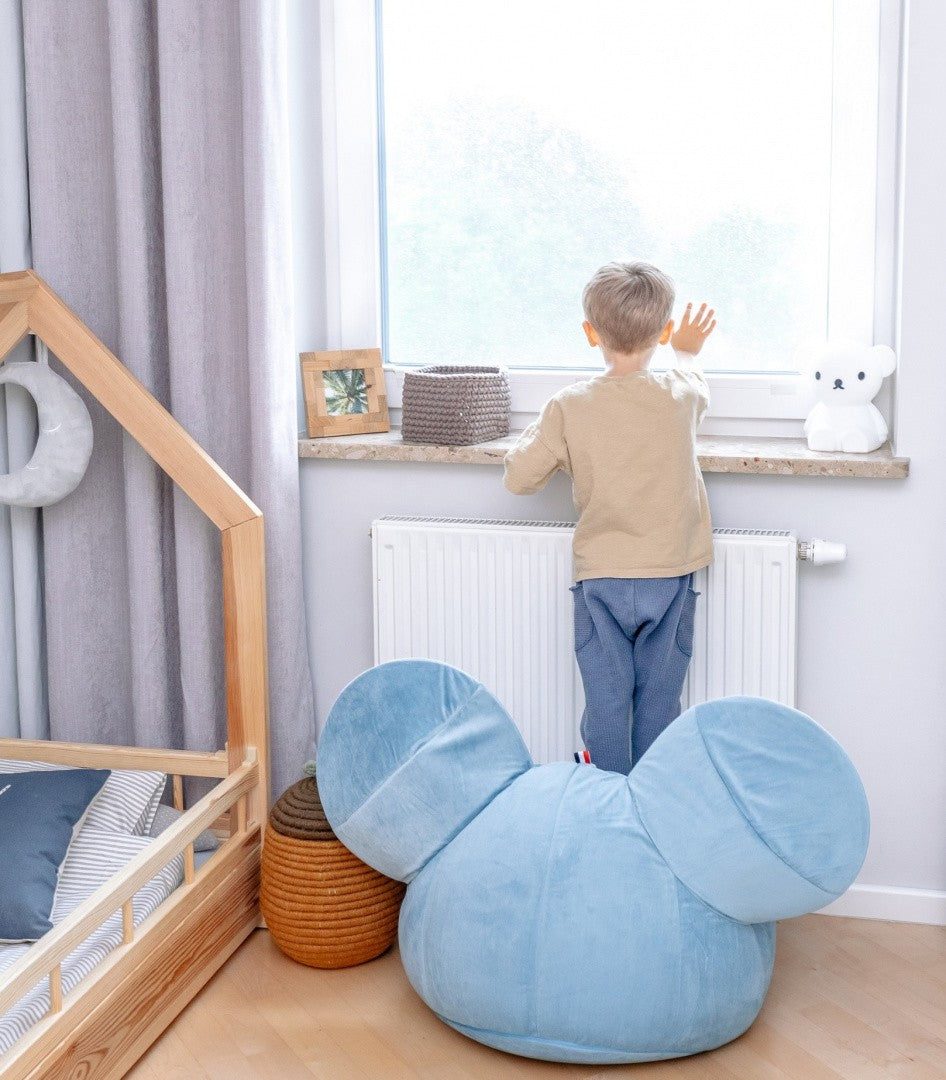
point(38, 813)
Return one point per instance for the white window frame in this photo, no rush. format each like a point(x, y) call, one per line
point(862, 288)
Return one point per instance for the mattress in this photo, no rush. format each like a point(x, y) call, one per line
point(93, 857)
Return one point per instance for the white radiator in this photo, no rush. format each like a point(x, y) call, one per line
point(491, 598)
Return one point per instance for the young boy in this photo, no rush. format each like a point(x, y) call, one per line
point(627, 439)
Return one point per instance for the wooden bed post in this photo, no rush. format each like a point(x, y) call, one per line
point(244, 617)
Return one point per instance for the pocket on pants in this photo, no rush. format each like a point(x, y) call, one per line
point(685, 625)
point(584, 627)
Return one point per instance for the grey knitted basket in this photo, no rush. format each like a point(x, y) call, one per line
point(451, 405)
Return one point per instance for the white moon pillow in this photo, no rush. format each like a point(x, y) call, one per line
point(64, 445)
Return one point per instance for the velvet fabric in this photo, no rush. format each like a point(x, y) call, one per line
point(571, 914)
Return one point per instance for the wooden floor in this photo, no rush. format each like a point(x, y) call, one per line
point(850, 998)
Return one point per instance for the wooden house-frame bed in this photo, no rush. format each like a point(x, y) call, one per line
point(102, 1027)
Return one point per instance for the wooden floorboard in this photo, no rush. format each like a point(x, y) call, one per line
point(850, 1000)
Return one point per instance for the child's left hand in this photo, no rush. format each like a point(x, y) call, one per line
point(693, 331)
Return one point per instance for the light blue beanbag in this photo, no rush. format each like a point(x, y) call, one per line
point(571, 914)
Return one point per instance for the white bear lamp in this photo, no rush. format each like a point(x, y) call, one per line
point(845, 378)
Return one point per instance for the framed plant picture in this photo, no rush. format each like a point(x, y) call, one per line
point(344, 393)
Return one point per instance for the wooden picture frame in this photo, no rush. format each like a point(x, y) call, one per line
point(344, 393)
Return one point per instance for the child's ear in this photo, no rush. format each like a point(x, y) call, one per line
point(590, 333)
point(667, 332)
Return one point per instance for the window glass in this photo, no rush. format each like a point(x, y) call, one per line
point(526, 142)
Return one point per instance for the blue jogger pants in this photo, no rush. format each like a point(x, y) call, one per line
point(633, 641)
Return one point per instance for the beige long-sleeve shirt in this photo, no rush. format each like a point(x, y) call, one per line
point(629, 444)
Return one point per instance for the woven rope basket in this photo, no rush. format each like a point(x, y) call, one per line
point(454, 406)
point(323, 906)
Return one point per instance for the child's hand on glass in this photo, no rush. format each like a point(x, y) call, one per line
point(693, 331)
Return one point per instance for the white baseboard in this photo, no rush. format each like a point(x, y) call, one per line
point(890, 903)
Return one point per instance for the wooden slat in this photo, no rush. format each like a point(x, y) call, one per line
point(244, 608)
point(14, 326)
point(55, 989)
point(18, 286)
point(55, 945)
point(134, 993)
point(137, 410)
point(89, 756)
point(128, 922)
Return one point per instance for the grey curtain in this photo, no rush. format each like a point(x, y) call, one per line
point(23, 712)
point(157, 144)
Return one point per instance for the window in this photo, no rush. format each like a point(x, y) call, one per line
point(525, 142)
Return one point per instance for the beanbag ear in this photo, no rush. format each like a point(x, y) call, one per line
point(755, 808)
point(411, 752)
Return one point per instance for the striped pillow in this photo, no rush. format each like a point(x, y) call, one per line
point(93, 857)
point(126, 804)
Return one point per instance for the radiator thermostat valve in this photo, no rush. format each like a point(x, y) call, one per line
point(821, 552)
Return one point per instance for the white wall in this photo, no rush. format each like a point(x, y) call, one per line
point(872, 652)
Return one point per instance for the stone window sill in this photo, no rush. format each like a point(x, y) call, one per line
point(717, 454)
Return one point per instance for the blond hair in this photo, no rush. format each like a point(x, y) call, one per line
point(628, 304)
